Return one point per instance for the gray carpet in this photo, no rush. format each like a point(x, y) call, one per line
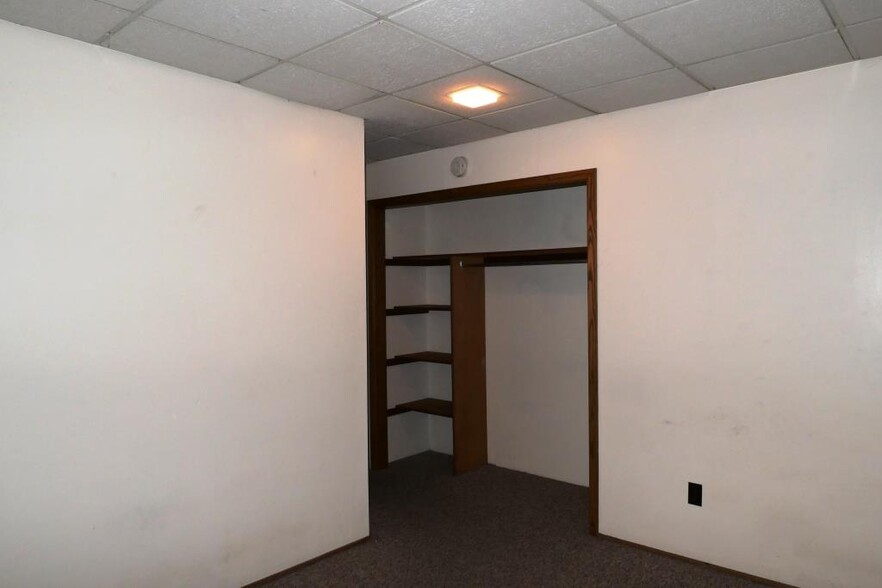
point(490, 527)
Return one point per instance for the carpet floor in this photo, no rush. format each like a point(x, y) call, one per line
point(490, 527)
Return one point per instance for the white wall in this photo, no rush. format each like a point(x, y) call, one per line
point(740, 326)
point(182, 324)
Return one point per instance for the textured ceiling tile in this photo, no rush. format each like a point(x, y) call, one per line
point(769, 62)
point(603, 56)
point(389, 148)
point(436, 94)
point(281, 28)
point(382, 6)
point(396, 116)
point(173, 46)
point(491, 29)
point(386, 58)
point(371, 135)
point(127, 4)
point(654, 87)
point(537, 114)
point(455, 133)
point(706, 29)
point(85, 20)
point(625, 9)
point(868, 38)
point(309, 87)
point(854, 11)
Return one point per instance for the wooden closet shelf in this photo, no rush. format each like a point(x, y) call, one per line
point(434, 406)
point(416, 309)
point(500, 258)
point(429, 356)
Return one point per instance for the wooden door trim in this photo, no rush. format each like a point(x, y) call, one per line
point(377, 300)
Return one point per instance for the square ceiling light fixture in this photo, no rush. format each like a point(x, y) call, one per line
point(475, 96)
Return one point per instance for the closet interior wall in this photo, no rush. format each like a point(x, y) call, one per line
point(536, 321)
point(406, 235)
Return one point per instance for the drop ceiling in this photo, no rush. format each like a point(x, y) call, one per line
point(393, 62)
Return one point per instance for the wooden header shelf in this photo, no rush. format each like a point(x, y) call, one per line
point(434, 406)
point(500, 258)
point(428, 356)
point(416, 309)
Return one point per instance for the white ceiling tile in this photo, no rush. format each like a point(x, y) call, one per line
point(386, 58)
point(854, 11)
point(603, 56)
point(625, 9)
point(127, 4)
point(86, 20)
point(778, 60)
point(173, 46)
point(654, 87)
point(281, 28)
point(436, 94)
point(706, 29)
point(310, 87)
point(382, 6)
point(389, 148)
point(371, 135)
point(868, 38)
point(491, 29)
point(395, 116)
point(455, 133)
point(537, 114)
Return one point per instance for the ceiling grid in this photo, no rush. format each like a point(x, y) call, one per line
point(394, 62)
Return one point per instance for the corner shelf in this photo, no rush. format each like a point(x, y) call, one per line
point(499, 258)
point(434, 406)
point(417, 309)
point(427, 356)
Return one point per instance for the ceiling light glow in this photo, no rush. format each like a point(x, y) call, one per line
point(475, 96)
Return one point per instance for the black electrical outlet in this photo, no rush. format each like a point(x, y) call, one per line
point(694, 493)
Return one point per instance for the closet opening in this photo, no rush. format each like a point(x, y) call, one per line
point(432, 360)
